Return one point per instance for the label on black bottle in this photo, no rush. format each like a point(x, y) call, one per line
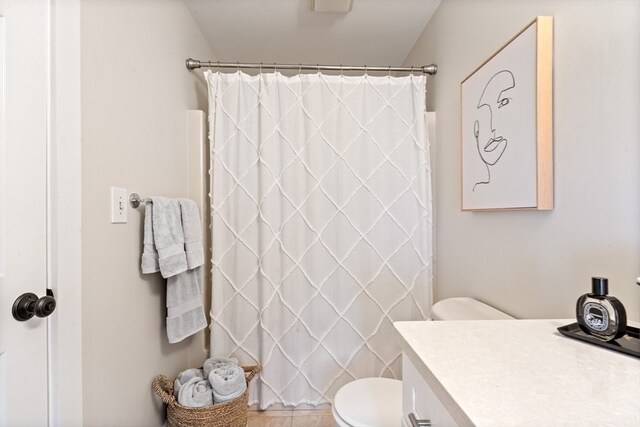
point(596, 317)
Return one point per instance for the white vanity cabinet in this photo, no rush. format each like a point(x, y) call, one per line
point(420, 400)
point(511, 373)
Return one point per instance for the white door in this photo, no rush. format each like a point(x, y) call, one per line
point(24, 260)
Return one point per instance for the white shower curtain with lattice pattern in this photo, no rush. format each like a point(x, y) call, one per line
point(321, 227)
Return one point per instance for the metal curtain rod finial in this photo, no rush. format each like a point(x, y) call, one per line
point(192, 64)
point(431, 69)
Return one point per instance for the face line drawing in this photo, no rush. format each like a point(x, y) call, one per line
point(491, 151)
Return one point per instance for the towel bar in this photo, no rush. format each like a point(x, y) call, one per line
point(135, 200)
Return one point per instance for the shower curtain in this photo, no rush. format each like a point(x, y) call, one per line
point(321, 227)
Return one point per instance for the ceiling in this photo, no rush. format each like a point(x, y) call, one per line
point(375, 32)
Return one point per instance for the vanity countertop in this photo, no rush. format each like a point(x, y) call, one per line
point(522, 373)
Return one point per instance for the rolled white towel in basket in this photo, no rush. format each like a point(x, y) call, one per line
point(184, 377)
point(195, 393)
point(217, 362)
point(227, 382)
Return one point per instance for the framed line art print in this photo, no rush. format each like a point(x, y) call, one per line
point(507, 125)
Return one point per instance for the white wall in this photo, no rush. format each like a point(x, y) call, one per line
point(536, 264)
point(135, 93)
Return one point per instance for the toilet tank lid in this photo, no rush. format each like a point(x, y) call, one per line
point(464, 308)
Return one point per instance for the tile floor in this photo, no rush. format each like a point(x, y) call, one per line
point(289, 418)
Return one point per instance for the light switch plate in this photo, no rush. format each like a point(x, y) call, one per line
point(118, 205)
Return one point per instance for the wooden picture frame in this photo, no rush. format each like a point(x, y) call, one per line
point(507, 125)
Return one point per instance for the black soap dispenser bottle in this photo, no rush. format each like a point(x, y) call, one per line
point(600, 315)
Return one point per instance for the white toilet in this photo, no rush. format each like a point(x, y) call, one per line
point(377, 402)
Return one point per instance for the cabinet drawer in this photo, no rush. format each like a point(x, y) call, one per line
point(419, 398)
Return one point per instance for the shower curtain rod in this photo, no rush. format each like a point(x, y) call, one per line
point(192, 64)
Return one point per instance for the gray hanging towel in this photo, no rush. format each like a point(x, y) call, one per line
point(192, 228)
point(164, 251)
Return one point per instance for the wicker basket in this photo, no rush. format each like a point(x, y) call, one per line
point(228, 414)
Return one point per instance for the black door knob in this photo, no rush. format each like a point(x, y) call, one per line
point(28, 304)
point(44, 306)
